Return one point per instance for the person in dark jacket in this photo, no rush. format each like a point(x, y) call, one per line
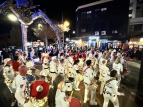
point(4, 53)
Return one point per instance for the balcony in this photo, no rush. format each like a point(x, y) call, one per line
point(135, 21)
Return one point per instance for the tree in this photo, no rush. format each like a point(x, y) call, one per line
point(45, 32)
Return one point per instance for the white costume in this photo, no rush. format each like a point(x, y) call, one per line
point(99, 55)
point(87, 79)
point(45, 72)
point(8, 73)
point(103, 73)
point(76, 76)
point(31, 57)
point(66, 66)
point(22, 91)
point(53, 69)
point(60, 99)
point(119, 68)
point(111, 92)
point(61, 69)
point(70, 66)
point(81, 63)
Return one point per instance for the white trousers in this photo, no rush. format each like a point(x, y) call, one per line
point(114, 100)
point(53, 75)
point(93, 92)
point(77, 80)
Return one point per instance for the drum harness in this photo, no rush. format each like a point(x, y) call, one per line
point(87, 76)
point(107, 92)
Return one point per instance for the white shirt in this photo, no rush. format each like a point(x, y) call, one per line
point(104, 70)
point(99, 55)
point(118, 67)
point(112, 86)
point(124, 63)
point(53, 67)
point(70, 62)
point(45, 63)
point(81, 62)
point(88, 75)
point(61, 69)
point(60, 99)
point(75, 68)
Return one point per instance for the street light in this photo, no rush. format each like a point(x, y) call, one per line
point(73, 32)
point(12, 17)
point(66, 23)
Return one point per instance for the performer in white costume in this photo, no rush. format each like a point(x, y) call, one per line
point(111, 90)
point(22, 93)
point(88, 82)
point(76, 72)
point(53, 68)
point(104, 71)
point(9, 76)
point(70, 65)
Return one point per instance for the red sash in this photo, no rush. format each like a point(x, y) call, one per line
point(86, 69)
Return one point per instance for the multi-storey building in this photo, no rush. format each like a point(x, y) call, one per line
point(136, 23)
point(104, 22)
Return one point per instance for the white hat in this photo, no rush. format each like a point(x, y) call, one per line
point(39, 88)
point(90, 55)
point(6, 60)
point(54, 57)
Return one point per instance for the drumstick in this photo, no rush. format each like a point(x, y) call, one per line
point(72, 92)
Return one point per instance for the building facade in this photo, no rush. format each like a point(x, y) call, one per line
point(136, 24)
point(104, 22)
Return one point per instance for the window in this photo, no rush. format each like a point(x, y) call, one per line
point(114, 31)
point(130, 11)
point(103, 9)
point(89, 14)
point(103, 32)
point(96, 32)
point(131, 28)
point(97, 12)
point(138, 7)
point(83, 30)
point(83, 15)
point(138, 27)
point(131, 4)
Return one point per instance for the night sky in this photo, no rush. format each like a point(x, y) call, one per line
point(54, 10)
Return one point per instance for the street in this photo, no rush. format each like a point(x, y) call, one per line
point(128, 86)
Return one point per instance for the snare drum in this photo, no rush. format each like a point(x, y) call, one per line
point(75, 103)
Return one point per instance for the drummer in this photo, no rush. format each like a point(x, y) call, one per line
point(61, 69)
point(104, 71)
point(53, 69)
point(45, 71)
point(22, 88)
point(81, 62)
point(56, 95)
point(88, 82)
point(76, 73)
point(111, 90)
point(70, 65)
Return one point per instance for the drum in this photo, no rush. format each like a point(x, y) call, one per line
point(75, 103)
point(69, 84)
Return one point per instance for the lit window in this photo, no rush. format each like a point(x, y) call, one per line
point(103, 33)
point(89, 12)
point(97, 10)
point(103, 9)
point(96, 32)
point(114, 31)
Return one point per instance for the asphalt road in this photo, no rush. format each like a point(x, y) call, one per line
point(128, 86)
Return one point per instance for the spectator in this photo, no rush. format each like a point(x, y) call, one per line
point(16, 64)
point(4, 54)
